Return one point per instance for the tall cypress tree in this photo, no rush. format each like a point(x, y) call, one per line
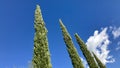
point(76, 61)
point(41, 57)
point(86, 52)
point(100, 64)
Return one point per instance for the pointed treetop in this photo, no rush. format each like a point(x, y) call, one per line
point(61, 23)
point(38, 15)
point(64, 30)
point(38, 8)
point(60, 20)
point(77, 36)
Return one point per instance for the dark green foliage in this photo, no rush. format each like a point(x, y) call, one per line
point(100, 64)
point(41, 57)
point(76, 61)
point(86, 53)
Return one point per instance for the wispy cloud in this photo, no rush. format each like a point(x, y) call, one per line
point(116, 32)
point(118, 48)
point(98, 43)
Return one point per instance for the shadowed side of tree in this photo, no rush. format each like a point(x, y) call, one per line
point(90, 59)
point(41, 56)
point(76, 61)
point(100, 64)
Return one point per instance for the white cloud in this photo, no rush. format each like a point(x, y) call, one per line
point(118, 48)
point(98, 43)
point(116, 32)
point(111, 28)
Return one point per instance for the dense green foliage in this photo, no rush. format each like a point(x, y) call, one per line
point(76, 61)
point(100, 64)
point(86, 52)
point(41, 57)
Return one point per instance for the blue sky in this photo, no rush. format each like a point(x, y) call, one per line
point(88, 18)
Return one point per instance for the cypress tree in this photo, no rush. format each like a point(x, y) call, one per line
point(100, 64)
point(76, 61)
point(41, 57)
point(90, 59)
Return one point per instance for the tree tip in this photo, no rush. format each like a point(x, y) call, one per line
point(37, 6)
point(60, 20)
point(76, 34)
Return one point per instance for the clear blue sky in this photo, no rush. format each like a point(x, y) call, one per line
point(81, 16)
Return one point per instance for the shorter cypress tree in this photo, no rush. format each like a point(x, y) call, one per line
point(90, 59)
point(76, 61)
